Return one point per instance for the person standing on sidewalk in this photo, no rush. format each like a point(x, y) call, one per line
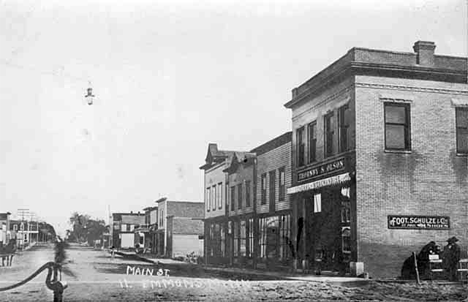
point(451, 256)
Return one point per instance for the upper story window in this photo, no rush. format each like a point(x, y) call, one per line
point(247, 193)
point(462, 129)
point(397, 126)
point(214, 197)
point(329, 131)
point(300, 147)
point(208, 199)
point(272, 186)
point(239, 196)
point(282, 184)
point(226, 195)
point(344, 122)
point(233, 197)
point(123, 227)
point(263, 188)
point(161, 221)
point(220, 195)
point(312, 142)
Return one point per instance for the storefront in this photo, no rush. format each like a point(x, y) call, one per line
point(216, 230)
point(322, 209)
point(241, 240)
point(275, 244)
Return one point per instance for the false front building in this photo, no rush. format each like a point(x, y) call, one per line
point(247, 212)
point(379, 157)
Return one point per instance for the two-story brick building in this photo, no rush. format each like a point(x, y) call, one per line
point(254, 229)
point(273, 210)
point(380, 145)
point(180, 228)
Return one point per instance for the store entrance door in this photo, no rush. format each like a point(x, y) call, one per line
point(323, 230)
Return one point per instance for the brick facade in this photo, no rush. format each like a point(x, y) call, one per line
point(426, 178)
point(430, 180)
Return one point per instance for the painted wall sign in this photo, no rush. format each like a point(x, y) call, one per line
point(321, 170)
point(418, 222)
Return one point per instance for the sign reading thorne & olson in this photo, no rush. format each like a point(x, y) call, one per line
point(335, 165)
point(418, 222)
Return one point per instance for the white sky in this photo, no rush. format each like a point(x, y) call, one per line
point(169, 77)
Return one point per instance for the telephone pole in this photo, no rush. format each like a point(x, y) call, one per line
point(21, 213)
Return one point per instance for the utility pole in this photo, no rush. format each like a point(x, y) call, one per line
point(21, 213)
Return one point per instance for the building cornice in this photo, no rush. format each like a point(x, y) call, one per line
point(411, 88)
point(349, 66)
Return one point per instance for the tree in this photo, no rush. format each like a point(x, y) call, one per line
point(46, 231)
point(85, 229)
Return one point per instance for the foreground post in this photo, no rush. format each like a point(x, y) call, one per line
point(416, 268)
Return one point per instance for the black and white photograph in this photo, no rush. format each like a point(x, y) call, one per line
point(221, 150)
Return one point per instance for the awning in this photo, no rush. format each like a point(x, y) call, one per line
point(334, 180)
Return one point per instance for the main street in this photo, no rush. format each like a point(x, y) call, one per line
point(92, 275)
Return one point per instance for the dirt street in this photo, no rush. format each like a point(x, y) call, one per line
point(93, 276)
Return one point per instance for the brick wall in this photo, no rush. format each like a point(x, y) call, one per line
point(430, 180)
point(185, 209)
point(187, 226)
point(241, 176)
point(314, 109)
point(273, 160)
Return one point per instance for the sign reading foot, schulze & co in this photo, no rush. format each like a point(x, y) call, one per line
point(418, 222)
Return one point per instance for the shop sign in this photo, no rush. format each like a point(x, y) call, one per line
point(334, 180)
point(321, 170)
point(418, 222)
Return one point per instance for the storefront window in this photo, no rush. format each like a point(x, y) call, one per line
point(285, 240)
point(251, 237)
point(262, 236)
point(211, 239)
point(223, 241)
point(243, 238)
point(236, 238)
point(217, 240)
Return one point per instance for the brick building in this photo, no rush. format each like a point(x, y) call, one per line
point(379, 159)
point(247, 211)
point(180, 228)
point(273, 210)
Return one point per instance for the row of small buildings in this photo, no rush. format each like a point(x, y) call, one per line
point(374, 167)
point(22, 232)
point(169, 228)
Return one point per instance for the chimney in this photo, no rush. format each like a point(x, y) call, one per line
point(425, 53)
